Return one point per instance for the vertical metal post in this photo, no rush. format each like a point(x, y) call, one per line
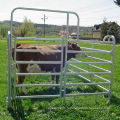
point(62, 48)
point(9, 70)
point(9, 61)
point(14, 68)
point(78, 22)
point(91, 76)
point(74, 99)
point(96, 99)
point(11, 29)
point(112, 65)
point(66, 48)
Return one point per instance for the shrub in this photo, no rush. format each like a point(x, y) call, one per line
point(27, 28)
point(110, 29)
point(4, 31)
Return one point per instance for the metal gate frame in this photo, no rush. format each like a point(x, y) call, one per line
point(10, 65)
point(67, 71)
point(108, 39)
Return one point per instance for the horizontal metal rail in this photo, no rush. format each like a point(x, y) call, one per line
point(69, 51)
point(90, 65)
point(27, 74)
point(81, 75)
point(37, 85)
point(78, 68)
point(36, 96)
point(101, 78)
point(99, 59)
point(37, 50)
point(79, 62)
point(76, 84)
point(103, 52)
point(92, 81)
point(87, 73)
point(91, 41)
point(94, 49)
point(46, 10)
point(38, 39)
point(79, 94)
point(38, 62)
point(99, 68)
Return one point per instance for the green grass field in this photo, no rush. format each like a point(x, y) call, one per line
point(84, 107)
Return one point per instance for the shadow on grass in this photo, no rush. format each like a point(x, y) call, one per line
point(86, 88)
point(48, 91)
point(17, 111)
point(55, 91)
point(115, 100)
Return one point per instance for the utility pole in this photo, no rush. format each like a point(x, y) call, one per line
point(44, 18)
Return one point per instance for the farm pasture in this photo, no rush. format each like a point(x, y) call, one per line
point(53, 108)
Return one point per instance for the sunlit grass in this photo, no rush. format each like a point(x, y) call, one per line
point(53, 108)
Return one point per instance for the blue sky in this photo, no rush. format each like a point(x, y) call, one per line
point(90, 11)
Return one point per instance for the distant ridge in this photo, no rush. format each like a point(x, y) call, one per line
point(58, 27)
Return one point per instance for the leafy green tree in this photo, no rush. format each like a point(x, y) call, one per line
point(27, 28)
point(110, 29)
point(4, 30)
point(114, 30)
point(16, 31)
point(104, 29)
point(117, 33)
point(117, 2)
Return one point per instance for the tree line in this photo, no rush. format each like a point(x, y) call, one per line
point(29, 29)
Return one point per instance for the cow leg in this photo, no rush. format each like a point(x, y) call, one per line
point(57, 69)
point(22, 69)
point(21, 79)
point(53, 76)
point(57, 79)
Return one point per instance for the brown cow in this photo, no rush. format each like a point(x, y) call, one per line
point(43, 56)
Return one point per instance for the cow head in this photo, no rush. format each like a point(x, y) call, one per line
point(76, 47)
